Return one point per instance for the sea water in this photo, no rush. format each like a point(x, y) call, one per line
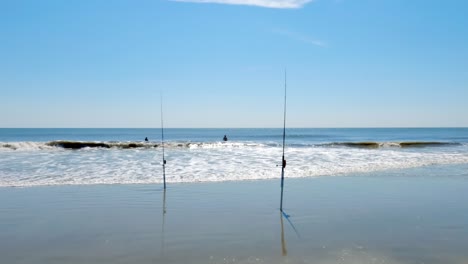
point(32, 157)
point(393, 196)
point(371, 218)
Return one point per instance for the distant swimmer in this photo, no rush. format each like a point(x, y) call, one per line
point(146, 139)
point(224, 138)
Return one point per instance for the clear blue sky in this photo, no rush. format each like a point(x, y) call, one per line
point(367, 63)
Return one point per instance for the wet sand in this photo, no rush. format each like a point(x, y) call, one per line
point(407, 216)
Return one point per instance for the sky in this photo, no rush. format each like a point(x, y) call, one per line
point(222, 63)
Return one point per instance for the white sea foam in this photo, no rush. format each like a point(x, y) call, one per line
point(62, 144)
point(24, 146)
point(39, 164)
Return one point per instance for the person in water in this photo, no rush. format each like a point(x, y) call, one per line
point(146, 139)
point(224, 138)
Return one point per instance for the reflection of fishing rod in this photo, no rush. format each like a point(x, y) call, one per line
point(283, 161)
point(163, 221)
point(284, 251)
point(162, 144)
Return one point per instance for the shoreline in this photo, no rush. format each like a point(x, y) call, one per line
point(456, 170)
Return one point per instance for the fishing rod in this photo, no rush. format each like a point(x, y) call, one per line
point(283, 162)
point(162, 144)
point(283, 166)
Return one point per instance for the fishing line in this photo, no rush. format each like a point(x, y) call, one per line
point(162, 144)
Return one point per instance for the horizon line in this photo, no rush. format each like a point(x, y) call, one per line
point(363, 127)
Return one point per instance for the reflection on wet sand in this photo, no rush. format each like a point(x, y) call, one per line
point(284, 251)
point(163, 221)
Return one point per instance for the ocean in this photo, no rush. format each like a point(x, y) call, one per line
point(352, 196)
point(37, 157)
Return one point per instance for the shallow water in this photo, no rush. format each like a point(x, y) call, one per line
point(415, 215)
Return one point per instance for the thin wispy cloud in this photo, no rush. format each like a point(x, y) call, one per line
point(260, 3)
point(300, 37)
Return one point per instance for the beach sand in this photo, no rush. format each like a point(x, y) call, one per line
point(407, 216)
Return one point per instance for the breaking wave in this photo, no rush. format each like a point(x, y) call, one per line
point(135, 162)
point(410, 144)
point(63, 144)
